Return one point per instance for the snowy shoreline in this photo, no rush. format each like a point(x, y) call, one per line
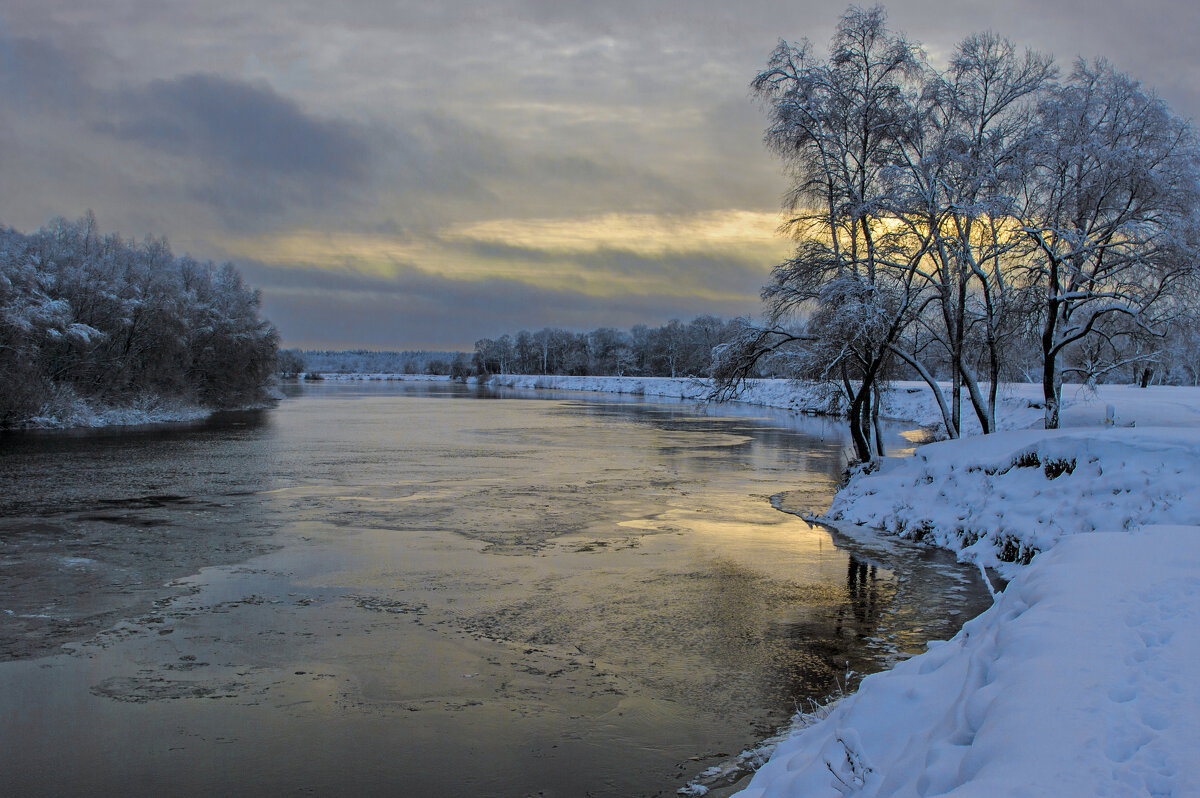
point(87, 415)
point(83, 414)
point(1076, 681)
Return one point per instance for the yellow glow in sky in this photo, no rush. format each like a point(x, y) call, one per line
point(583, 255)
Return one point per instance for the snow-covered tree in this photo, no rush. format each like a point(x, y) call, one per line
point(840, 125)
point(1114, 221)
point(950, 220)
point(109, 321)
point(967, 158)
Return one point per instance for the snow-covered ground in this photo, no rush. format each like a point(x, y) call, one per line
point(77, 412)
point(1000, 499)
point(1079, 681)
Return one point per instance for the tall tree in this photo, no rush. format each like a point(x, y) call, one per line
point(1113, 221)
point(967, 159)
point(840, 126)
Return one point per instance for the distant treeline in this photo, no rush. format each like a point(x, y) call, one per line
point(365, 361)
point(673, 350)
point(101, 320)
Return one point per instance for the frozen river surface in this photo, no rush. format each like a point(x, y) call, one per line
point(427, 590)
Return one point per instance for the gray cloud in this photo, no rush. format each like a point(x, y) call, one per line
point(229, 119)
point(318, 309)
point(245, 150)
point(244, 126)
point(36, 75)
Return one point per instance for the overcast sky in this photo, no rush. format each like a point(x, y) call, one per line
point(423, 174)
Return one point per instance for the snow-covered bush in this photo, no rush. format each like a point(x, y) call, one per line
point(91, 321)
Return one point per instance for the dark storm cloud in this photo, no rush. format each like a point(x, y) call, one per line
point(244, 126)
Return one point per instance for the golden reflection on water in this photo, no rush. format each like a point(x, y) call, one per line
point(457, 578)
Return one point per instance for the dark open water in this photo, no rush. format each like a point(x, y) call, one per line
point(414, 589)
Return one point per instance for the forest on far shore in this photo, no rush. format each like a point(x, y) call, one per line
point(97, 321)
point(674, 349)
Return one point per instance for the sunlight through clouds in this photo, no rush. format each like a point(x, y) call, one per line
point(601, 256)
point(604, 157)
point(644, 234)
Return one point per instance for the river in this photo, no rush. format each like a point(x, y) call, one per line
point(432, 589)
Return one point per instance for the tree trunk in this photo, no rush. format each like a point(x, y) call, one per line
point(993, 387)
point(981, 408)
point(1050, 392)
point(862, 445)
point(878, 429)
point(947, 421)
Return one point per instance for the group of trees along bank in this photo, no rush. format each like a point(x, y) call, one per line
point(997, 218)
point(988, 214)
point(673, 350)
point(98, 319)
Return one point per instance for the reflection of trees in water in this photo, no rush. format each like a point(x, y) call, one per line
point(862, 592)
point(830, 649)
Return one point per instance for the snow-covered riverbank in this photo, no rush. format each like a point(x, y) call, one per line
point(81, 413)
point(1077, 681)
point(69, 411)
